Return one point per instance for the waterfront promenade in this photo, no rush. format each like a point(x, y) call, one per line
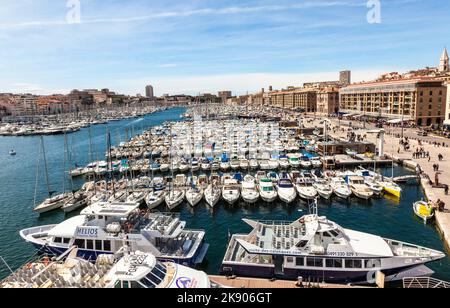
point(391, 148)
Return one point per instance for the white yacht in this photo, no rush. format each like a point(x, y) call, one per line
point(323, 188)
point(155, 198)
point(212, 195)
point(340, 188)
point(359, 188)
point(318, 249)
point(174, 198)
point(316, 162)
point(294, 161)
point(267, 190)
point(194, 195)
point(231, 191)
point(305, 163)
point(52, 203)
point(286, 190)
point(249, 192)
point(284, 163)
point(305, 188)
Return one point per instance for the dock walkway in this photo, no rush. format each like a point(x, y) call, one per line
point(254, 283)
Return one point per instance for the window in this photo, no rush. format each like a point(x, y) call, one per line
point(372, 263)
point(336, 263)
point(90, 244)
point(57, 240)
point(334, 233)
point(107, 246)
point(353, 263)
point(79, 243)
point(98, 245)
point(326, 234)
point(66, 240)
point(290, 259)
point(300, 261)
point(314, 262)
point(146, 282)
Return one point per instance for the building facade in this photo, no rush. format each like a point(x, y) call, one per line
point(149, 92)
point(421, 100)
point(295, 98)
point(328, 101)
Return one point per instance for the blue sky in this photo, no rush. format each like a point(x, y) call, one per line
point(194, 46)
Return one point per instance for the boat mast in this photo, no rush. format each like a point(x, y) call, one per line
point(66, 154)
point(108, 142)
point(46, 168)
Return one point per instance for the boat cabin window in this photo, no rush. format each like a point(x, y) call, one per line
point(58, 240)
point(300, 261)
point(302, 244)
point(334, 233)
point(372, 263)
point(106, 245)
point(334, 263)
point(314, 262)
point(79, 243)
point(98, 245)
point(147, 283)
point(90, 244)
point(351, 263)
point(66, 240)
point(326, 234)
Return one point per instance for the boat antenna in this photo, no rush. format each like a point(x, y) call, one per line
point(313, 208)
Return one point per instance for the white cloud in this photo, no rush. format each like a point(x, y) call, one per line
point(188, 13)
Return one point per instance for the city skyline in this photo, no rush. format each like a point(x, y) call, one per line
point(205, 46)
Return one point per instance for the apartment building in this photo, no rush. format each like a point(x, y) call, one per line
point(421, 100)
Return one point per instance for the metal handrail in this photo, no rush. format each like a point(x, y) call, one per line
point(424, 283)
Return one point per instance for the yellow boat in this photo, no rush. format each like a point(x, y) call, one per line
point(392, 188)
point(423, 210)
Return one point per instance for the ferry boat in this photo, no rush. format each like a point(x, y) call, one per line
point(134, 270)
point(103, 227)
point(318, 249)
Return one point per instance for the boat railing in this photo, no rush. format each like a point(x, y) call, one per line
point(36, 230)
point(424, 283)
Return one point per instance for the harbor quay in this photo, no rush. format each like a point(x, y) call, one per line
point(433, 180)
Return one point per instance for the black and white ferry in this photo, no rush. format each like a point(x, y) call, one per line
point(317, 249)
point(103, 228)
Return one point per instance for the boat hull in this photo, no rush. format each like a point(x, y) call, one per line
point(328, 276)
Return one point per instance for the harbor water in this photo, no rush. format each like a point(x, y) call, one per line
point(388, 218)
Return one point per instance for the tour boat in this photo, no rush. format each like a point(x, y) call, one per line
point(249, 192)
point(103, 227)
point(424, 210)
point(131, 270)
point(317, 249)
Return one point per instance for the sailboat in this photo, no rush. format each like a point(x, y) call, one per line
point(52, 202)
point(176, 195)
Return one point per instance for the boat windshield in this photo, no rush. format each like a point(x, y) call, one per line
point(155, 277)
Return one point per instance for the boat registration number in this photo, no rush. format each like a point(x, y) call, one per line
point(342, 254)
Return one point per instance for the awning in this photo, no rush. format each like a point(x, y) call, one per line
point(447, 122)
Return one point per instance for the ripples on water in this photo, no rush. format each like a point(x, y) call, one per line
point(385, 217)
